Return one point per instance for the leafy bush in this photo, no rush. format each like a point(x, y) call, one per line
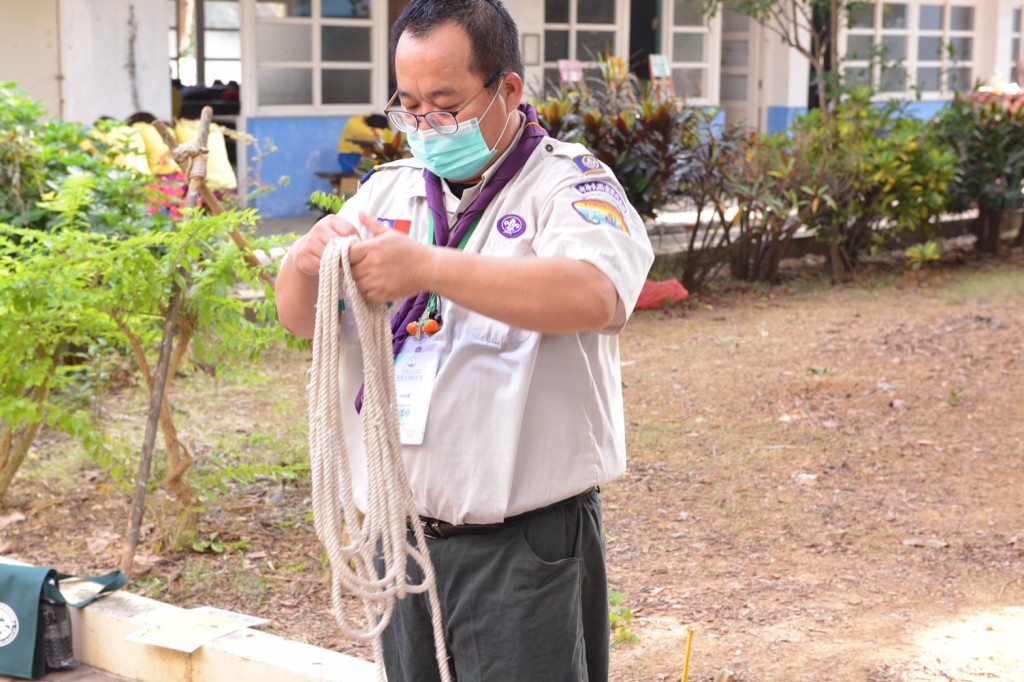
point(777, 191)
point(48, 306)
point(639, 134)
point(705, 189)
point(987, 132)
point(883, 168)
point(92, 266)
point(37, 156)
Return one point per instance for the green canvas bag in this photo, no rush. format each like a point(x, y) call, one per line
point(30, 599)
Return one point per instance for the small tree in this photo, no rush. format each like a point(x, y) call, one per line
point(48, 306)
point(96, 263)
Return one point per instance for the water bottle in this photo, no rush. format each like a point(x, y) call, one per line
point(57, 635)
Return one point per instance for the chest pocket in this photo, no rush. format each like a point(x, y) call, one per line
point(492, 332)
point(495, 333)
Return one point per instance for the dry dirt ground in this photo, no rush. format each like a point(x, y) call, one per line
point(826, 484)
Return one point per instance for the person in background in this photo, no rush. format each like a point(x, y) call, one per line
point(357, 138)
point(158, 154)
point(514, 260)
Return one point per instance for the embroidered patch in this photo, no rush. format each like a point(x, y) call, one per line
point(603, 191)
point(588, 163)
point(397, 224)
point(600, 213)
point(511, 226)
point(8, 625)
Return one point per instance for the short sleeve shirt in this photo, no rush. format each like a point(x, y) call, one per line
point(517, 419)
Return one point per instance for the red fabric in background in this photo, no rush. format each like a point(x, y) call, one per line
point(655, 294)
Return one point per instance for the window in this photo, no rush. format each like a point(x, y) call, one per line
point(314, 54)
point(689, 49)
point(1016, 56)
point(212, 53)
point(902, 47)
point(581, 30)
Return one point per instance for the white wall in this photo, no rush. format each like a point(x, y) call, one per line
point(786, 73)
point(97, 50)
point(529, 17)
point(29, 48)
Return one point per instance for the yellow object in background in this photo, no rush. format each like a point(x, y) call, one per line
point(219, 173)
point(158, 154)
point(355, 133)
point(125, 138)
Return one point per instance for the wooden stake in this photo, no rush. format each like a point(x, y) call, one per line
point(197, 174)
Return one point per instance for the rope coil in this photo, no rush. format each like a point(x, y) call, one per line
point(380, 533)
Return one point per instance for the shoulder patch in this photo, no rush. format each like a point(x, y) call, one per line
point(588, 164)
point(602, 191)
point(600, 213)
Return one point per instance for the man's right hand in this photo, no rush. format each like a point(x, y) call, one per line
point(298, 282)
point(307, 251)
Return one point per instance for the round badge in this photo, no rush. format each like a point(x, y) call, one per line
point(511, 226)
point(8, 624)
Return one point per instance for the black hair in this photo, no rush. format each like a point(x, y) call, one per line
point(493, 36)
point(140, 117)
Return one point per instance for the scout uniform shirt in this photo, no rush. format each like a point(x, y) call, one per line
point(517, 420)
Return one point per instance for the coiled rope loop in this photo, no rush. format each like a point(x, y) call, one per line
point(381, 532)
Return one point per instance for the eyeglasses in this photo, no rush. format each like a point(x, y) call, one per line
point(444, 122)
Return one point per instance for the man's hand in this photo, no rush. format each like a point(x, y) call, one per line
point(298, 282)
point(308, 249)
point(390, 266)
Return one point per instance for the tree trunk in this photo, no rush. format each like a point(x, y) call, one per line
point(13, 449)
point(178, 457)
point(15, 444)
point(987, 228)
point(838, 266)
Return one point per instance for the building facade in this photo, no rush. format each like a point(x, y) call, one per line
point(304, 66)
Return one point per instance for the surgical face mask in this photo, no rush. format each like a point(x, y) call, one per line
point(458, 156)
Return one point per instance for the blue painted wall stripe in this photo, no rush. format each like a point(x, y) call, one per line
point(304, 146)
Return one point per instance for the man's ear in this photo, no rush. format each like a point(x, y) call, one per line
point(512, 91)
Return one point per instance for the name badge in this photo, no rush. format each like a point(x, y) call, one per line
point(415, 370)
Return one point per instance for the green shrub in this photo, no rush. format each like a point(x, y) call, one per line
point(776, 189)
point(987, 132)
point(640, 135)
point(884, 170)
point(704, 189)
point(90, 268)
point(48, 307)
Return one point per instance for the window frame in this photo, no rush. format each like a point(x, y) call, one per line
point(1016, 35)
point(376, 65)
point(712, 31)
point(913, 33)
point(619, 28)
point(200, 29)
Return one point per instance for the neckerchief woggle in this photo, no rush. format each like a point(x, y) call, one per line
point(414, 306)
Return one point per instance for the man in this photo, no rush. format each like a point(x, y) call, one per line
point(508, 439)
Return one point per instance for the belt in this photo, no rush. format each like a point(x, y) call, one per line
point(442, 530)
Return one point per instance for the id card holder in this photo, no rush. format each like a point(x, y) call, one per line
point(415, 370)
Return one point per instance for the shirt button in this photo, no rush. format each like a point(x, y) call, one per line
point(549, 148)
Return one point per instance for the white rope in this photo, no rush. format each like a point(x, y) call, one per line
point(382, 530)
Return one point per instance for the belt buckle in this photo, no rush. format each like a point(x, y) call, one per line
point(432, 529)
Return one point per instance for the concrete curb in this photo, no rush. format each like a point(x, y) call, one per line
point(100, 632)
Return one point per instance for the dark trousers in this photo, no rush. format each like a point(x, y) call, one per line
point(527, 602)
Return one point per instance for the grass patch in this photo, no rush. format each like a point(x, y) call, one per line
point(1001, 285)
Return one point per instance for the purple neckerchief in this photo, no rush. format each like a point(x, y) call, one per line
point(414, 306)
